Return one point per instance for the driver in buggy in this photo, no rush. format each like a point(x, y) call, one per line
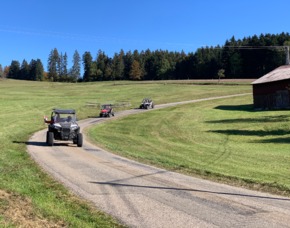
point(53, 119)
point(69, 119)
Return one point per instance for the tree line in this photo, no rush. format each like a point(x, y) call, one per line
point(250, 57)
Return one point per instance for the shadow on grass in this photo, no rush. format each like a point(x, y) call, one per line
point(245, 108)
point(275, 140)
point(251, 132)
point(259, 133)
point(266, 119)
point(113, 184)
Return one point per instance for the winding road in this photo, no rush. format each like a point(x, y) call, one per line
point(139, 195)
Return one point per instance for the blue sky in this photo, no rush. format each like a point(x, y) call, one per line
point(31, 29)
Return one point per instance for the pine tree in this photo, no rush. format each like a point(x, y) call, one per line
point(75, 71)
point(63, 73)
point(87, 62)
point(149, 67)
point(39, 70)
point(53, 65)
point(128, 60)
point(118, 65)
point(32, 73)
point(14, 70)
point(24, 71)
point(108, 75)
point(1, 72)
point(101, 61)
point(36, 70)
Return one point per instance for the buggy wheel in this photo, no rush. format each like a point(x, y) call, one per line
point(152, 105)
point(79, 139)
point(49, 138)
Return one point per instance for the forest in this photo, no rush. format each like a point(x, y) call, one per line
point(250, 57)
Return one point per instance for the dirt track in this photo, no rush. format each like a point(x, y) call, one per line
point(143, 196)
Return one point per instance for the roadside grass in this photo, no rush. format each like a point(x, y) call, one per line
point(31, 198)
point(223, 140)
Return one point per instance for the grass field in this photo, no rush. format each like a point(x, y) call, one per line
point(30, 197)
point(223, 140)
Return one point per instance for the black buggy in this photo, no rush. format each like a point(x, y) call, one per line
point(146, 103)
point(63, 126)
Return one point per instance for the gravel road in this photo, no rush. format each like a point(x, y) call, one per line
point(139, 195)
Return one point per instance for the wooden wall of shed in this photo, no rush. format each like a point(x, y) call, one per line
point(279, 100)
point(272, 95)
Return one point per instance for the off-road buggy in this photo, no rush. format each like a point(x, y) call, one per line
point(147, 103)
point(63, 126)
point(107, 110)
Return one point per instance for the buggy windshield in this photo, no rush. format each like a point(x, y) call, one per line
point(60, 116)
point(146, 100)
point(106, 106)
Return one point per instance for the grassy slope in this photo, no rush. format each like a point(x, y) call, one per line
point(33, 197)
point(223, 140)
point(23, 105)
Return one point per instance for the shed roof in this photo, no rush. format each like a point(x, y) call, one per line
point(280, 73)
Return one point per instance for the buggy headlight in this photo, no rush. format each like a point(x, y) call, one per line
point(57, 126)
point(74, 127)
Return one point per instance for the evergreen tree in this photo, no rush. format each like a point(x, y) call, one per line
point(87, 62)
point(118, 65)
point(63, 73)
point(39, 70)
point(101, 61)
point(162, 66)
point(235, 64)
point(75, 71)
point(24, 70)
point(64, 65)
point(53, 65)
point(149, 66)
point(36, 70)
point(32, 72)
point(14, 70)
point(1, 72)
point(94, 71)
point(128, 60)
point(62, 68)
point(108, 75)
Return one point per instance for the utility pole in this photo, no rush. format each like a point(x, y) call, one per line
point(287, 55)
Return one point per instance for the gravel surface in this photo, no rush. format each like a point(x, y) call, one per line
point(139, 195)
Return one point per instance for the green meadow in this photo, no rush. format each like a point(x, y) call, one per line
point(223, 140)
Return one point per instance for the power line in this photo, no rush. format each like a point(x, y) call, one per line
point(258, 47)
point(250, 47)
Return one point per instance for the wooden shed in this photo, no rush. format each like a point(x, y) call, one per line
point(272, 90)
